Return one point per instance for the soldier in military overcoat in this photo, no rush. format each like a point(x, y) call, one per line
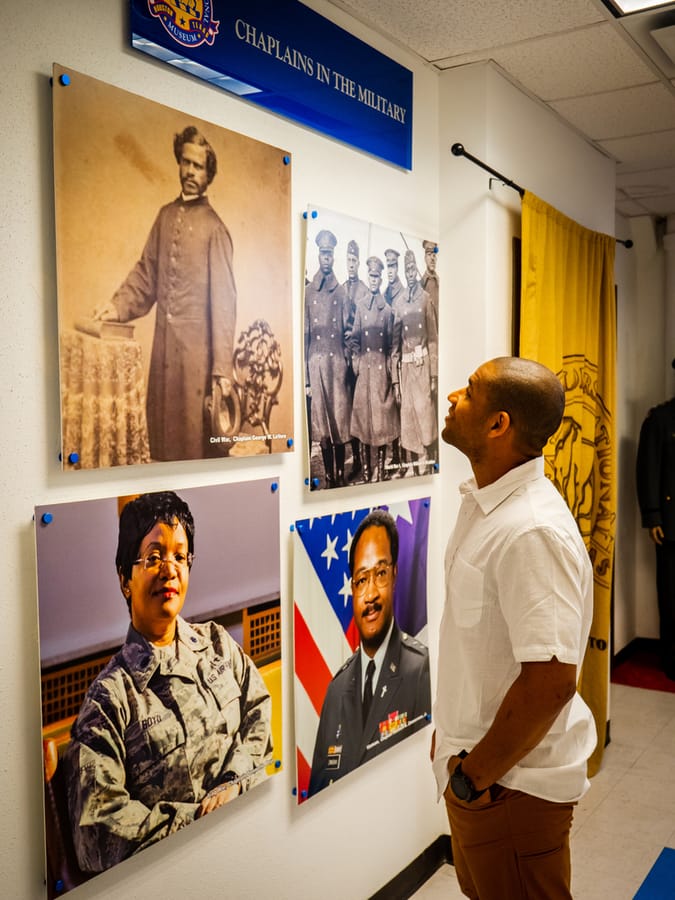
point(326, 380)
point(375, 417)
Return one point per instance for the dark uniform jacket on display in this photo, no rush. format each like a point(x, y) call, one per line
point(656, 469)
point(401, 703)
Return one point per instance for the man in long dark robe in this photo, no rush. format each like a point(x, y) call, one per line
point(186, 272)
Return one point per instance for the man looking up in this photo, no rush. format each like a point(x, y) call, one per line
point(512, 734)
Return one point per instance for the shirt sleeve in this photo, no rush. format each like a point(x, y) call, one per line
point(138, 293)
point(223, 301)
point(542, 589)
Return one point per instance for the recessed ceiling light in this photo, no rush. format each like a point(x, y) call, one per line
point(628, 7)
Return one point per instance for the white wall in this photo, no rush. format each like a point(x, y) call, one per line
point(529, 145)
point(264, 844)
point(350, 840)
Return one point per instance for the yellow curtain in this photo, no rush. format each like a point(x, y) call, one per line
point(568, 322)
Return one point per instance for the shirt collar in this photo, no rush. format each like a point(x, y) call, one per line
point(378, 659)
point(142, 661)
point(490, 496)
point(322, 282)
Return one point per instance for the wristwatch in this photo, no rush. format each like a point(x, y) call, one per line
point(461, 784)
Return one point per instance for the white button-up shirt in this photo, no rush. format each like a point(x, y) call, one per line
point(519, 588)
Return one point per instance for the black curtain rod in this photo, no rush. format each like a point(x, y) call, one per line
point(458, 150)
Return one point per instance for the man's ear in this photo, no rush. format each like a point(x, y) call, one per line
point(499, 424)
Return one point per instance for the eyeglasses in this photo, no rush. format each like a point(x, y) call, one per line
point(153, 562)
point(379, 574)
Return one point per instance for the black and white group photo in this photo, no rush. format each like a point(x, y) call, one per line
point(371, 351)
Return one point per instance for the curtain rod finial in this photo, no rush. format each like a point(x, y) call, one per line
point(457, 149)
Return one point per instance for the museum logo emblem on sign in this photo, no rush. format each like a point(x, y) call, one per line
point(189, 22)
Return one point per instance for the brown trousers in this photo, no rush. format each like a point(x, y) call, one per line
point(514, 848)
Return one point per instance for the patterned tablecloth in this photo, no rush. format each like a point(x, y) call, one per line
point(102, 401)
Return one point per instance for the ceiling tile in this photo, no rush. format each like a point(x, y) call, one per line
point(632, 111)
point(659, 206)
point(628, 208)
point(572, 64)
point(436, 29)
point(641, 29)
point(607, 78)
point(650, 151)
point(653, 190)
point(647, 182)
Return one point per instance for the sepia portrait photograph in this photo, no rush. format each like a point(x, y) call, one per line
point(160, 656)
point(173, 275)
point(370, 352)
point(360, 638)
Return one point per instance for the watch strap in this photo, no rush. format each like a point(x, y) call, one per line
point(470, 791)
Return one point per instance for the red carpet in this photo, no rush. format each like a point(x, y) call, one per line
point(640, 667)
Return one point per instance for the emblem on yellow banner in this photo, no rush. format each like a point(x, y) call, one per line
point(579, 461)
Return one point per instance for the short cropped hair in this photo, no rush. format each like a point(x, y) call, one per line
point(192, 135)
point(532, 395)
point(140, 516)
point(377, 518)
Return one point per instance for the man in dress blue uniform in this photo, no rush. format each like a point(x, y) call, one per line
point(382, 693)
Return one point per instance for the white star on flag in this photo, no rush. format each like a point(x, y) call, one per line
point(346, 589)
point(329, 553)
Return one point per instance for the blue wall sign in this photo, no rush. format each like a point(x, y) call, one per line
point(289, 59)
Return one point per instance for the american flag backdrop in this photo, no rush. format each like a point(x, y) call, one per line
point(324, 633)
